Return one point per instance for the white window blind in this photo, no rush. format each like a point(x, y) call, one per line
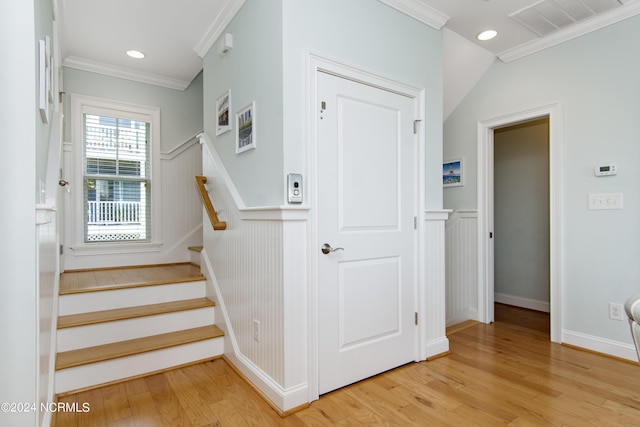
point(117, 179)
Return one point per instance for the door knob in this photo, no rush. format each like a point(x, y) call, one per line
point(326, 249)
point(63, 182)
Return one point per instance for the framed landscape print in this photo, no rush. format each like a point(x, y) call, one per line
point(246, 128)
point(223, 108)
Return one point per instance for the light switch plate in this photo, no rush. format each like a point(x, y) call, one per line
point(603, 201)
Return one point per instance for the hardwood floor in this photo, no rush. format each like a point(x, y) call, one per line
point(528, 319)
point(507, 373)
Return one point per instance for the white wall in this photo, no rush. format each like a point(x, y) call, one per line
point(180, 120)
point(23, 141)
point(28, 275)
point(521, 212)
point(253, 72)
point(594, 78)
point(181, 111)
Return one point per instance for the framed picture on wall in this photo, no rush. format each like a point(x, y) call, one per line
point(246, 128)
point(223, 108)
point(44, 78)
point(452, 173)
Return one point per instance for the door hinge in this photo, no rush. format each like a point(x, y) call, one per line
point(416, 317)
point(415, 222)
point(415, 126)
point(61, 249)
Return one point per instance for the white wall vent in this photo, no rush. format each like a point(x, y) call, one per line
point(547, 16)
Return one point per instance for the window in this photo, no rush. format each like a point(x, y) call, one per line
point(117, 184)
point(117, 201)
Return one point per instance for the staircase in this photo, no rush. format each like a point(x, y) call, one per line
point(112, 327)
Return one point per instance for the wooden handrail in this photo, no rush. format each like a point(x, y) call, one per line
point(206, 201)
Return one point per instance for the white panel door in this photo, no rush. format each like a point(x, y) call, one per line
point(367, 203)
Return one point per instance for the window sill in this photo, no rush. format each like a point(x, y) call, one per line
point(92, 249)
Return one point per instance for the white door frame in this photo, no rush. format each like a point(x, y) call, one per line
point(485, 210)
point(315, 64)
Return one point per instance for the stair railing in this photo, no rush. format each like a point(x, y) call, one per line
point(206, 201)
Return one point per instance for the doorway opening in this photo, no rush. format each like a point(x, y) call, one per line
point(487, 130)
point(521, 219)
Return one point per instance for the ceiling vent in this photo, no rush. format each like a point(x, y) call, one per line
point(547, 16)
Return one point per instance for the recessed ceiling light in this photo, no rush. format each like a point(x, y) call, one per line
point(487, 35)
point(135, 54)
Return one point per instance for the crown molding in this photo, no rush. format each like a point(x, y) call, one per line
point(600, 21)
point(229, 10)
point(420, 11)
point(124, 73)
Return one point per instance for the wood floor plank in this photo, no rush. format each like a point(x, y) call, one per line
point(192, 403)
point(136, 386)
point(227, 414)
point(166, 402)
point(66, 418)
point(96, 414)
point(116, 403)
point(499, 374)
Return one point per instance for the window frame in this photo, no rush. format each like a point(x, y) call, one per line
point(81, 105)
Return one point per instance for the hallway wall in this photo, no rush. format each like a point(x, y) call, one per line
point(594, 80)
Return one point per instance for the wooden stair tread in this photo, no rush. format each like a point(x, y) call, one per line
point(92, 280)
point(82, 319)
point(84, 356)
point(132, 285)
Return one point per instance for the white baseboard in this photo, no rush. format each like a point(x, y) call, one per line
point(517, 301)
point(437, 347)
point(600, 345)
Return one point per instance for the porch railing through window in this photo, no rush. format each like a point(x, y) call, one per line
point(106, 213)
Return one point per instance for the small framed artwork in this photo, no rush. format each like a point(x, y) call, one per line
point(452, 173)
point(246, 128)
point(44, 77)
point(223, 108)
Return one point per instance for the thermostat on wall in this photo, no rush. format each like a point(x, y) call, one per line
point(606, 170)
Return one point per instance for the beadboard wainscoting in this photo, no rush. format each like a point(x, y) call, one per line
point(257, 273)
point(462, 266)
point(433, 339)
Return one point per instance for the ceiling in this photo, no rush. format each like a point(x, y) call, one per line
point(95, 34)
point(174, 35)
point(521, 23)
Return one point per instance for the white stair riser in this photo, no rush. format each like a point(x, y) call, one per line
point(194, 257)
point(86, 302)
point(128, 329)
point(93, 374)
